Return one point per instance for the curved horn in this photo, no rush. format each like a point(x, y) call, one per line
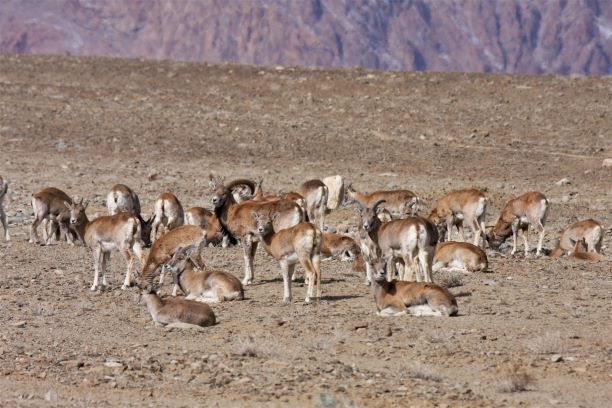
point(241, 182)
point(187, 249)
point(377, 203)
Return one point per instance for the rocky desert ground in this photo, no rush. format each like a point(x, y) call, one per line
point(83, 124)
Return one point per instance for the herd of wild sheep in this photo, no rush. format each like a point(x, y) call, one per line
point(397, 250)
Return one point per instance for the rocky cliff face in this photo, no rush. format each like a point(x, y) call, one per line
point(517, 36)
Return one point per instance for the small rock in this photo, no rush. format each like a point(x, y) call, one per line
point(556, 358)
point(563, 182)
point(113, 362)
point(73, 363)
point(242, 380)
point(326, 400)
point(51, 395)
point(20, 324)
point(60, 145)
point(489, 282)
point(607, 163)
point(330, 228)
point(565, 199)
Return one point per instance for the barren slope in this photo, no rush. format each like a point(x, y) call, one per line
point(84, 124)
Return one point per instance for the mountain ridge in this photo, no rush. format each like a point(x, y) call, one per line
point(512, 36)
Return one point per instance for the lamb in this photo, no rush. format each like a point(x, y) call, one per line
point(199, 283)
point(398, 298)
point(178, 312)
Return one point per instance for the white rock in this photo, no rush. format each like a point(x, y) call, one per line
point(563, 182)
point(51, 395)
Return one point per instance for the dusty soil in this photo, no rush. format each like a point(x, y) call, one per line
point(84, 124)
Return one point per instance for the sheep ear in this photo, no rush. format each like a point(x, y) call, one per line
point(67, 204)
point(85, 205)
point(194, 262)
point(255, 215)
point(177, 252)
point(202, 244)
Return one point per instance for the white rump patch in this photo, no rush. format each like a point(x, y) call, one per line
point(208, 296)
point(457, 264)
point(389, 311)
point(423, 310)
point(184, 326)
